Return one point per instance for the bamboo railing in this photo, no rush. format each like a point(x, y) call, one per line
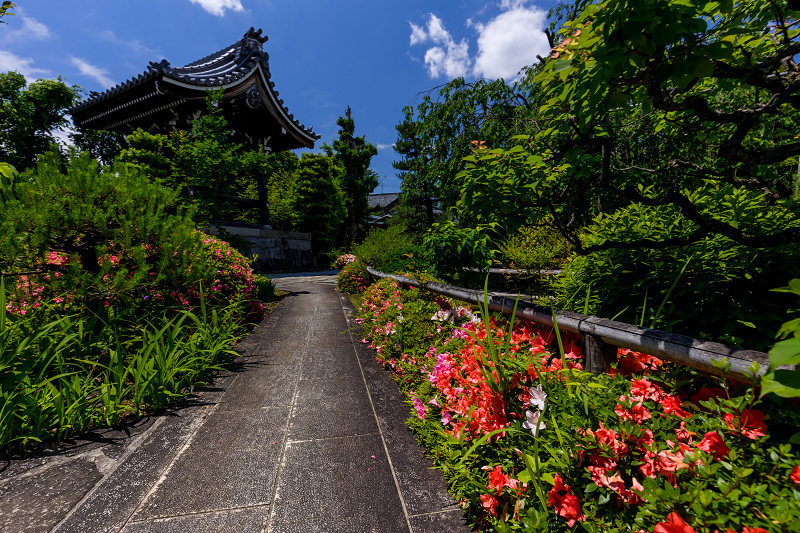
point(602, 336)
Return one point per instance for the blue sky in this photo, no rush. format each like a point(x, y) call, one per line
point(375, 57)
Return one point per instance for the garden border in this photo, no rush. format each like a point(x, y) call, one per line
point(604, 336)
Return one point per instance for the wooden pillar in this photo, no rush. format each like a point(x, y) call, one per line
point(599, 354)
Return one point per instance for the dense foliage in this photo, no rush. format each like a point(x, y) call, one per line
point(63, 374)
point(30, 114)
point(436, 135)
point(319, 205)
point(353, 278)
point(111, 303)
point(659, 140)
point(93, 237)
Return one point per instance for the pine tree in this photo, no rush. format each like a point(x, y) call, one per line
point(89, 214)
point(319, 206)
point(356, 180)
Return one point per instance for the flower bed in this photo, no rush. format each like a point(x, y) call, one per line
point(353, 278)
point(530, 442)
point(224, 273)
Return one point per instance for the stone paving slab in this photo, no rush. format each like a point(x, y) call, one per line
point(116, 497)
point(249, 520)
point(261, 386)
point(231, 462)
point(326, 408)
point(337, 485)
point(62, 486)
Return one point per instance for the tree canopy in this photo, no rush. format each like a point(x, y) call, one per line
point(684, 112)
point(435, 136)
point(29, 115)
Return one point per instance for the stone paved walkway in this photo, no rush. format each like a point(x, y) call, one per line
point(306, 434)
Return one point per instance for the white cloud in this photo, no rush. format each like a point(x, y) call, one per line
point(506, 43)
point(510, 41)
point(448, 57)
point(381, 146)
point(22, 29)
point(135, 47)
point(23, 65)
point(218, 7)
point(98, 74)
point(418, 35)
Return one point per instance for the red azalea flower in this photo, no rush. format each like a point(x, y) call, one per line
point(635, 362)
point(489, 504)
point(565, 502)
point(642, 389)
point(672, 406)
point(683, 434)
point(636, 413)
point(712, 443)
point(601, 478)
point(750, 423)
point(795, 474)
point(674, 524)
point(497, 479)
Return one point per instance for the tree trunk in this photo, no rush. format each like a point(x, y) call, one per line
point(263, 202)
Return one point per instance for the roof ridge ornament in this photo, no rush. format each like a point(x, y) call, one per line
point(255, 35)
point(161, 67)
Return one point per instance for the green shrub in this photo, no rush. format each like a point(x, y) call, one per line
point(102, 237)
point(64, 374)
point(265, 288)
point(381, 246)
point(449, 249)
point(721, 289)
point(536, 248)
point(352, 279)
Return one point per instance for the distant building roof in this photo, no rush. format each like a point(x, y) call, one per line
point(166, 97)
point(386, 200)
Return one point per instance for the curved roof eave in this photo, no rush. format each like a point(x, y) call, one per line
point(272, 97)
point(224, 69)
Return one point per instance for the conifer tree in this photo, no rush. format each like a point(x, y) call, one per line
point(147, 151)
point(352, 155)
point(319, 206)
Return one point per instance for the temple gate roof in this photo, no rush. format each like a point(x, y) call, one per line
point(165, 98)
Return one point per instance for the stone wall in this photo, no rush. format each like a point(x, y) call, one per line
point(278, 251)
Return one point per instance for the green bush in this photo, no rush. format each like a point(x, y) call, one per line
point(265, 288)
point(99, 237)
point(381, 246)
point(713, 288)
point(449, 249)
point(352, 279)
point(63, 374)
point(536, 248)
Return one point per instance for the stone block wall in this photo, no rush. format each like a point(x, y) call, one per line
point(278, 251)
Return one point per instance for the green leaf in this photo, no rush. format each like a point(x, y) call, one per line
point(562, 64)
point(783, 383)
point(784, 353)
point(704, 68)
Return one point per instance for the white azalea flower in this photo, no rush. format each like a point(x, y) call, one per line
point(532, 423)
point(538, 397)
